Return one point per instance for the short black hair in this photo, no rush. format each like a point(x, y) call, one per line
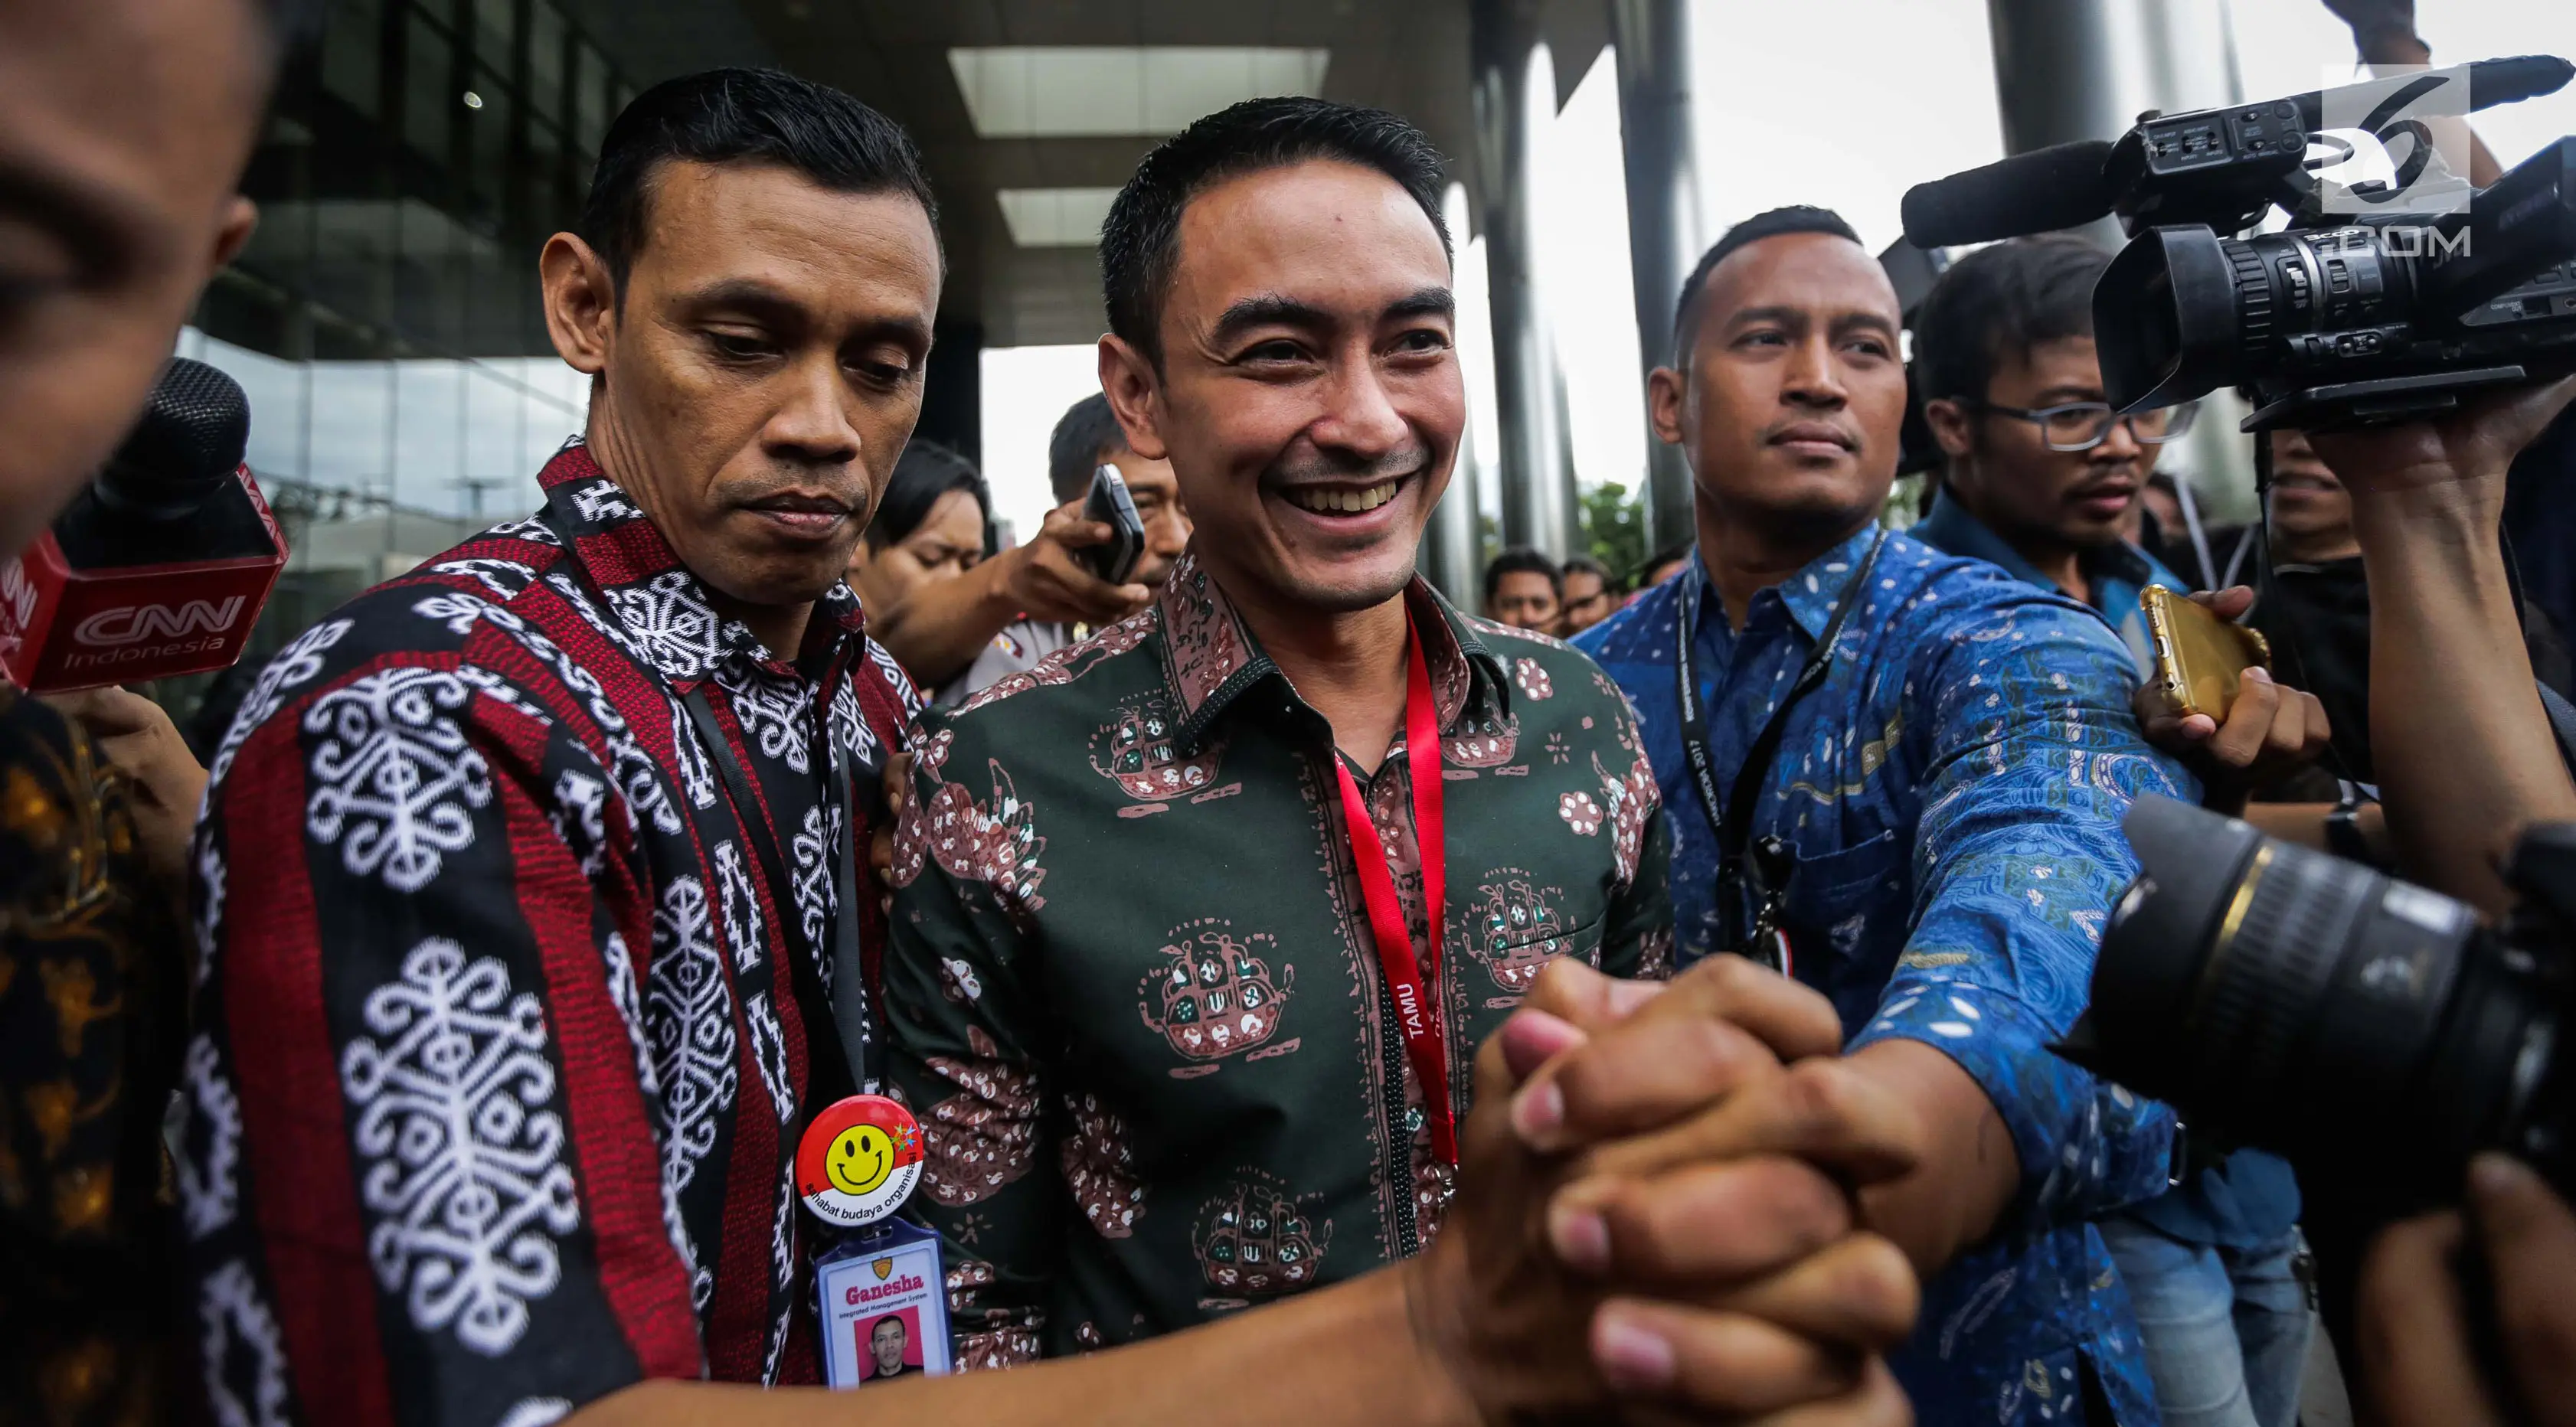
point(2001, 301)
point(922, 474)
point(1678, 550)
point(747, 116)
point(1586, 565)
point(1141, 239)
point(1796, 218)
point(1520, 559)
point(1087, 434)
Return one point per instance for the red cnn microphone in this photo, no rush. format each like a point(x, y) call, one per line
point(160, 566)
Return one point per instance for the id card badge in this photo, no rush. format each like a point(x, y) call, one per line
point(885, 1306)
point(883, 1299)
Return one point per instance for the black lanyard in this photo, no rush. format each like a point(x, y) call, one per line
point(1763, 879)
point(838, 1035)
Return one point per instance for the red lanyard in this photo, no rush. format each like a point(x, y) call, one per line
point(1409, 980)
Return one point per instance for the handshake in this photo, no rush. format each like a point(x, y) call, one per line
point(1660, 1212)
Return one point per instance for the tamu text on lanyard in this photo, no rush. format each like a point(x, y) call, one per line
point(1411, 980)
point(1753, 880)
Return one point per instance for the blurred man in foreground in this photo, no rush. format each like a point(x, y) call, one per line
point(124, 125)
point(1866, 747)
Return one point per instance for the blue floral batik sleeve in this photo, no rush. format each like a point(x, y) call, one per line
point(2033, 757)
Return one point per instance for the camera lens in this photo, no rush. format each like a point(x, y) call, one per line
point(2288, 999)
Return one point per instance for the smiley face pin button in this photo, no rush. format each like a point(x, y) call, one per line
point(858, 1161)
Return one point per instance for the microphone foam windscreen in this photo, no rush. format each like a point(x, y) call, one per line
point(2037, 192)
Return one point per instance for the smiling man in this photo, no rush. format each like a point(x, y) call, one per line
point(1199, 920)
point(1913, 767)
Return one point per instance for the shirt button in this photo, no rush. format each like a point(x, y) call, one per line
point(1413, 1119)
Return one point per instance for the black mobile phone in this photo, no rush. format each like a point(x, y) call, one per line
point(1109, 504)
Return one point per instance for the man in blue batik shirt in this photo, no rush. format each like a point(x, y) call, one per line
point(1950, 794)
point(2039, 473)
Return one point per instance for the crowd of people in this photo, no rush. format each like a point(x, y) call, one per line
point(1634, 1002)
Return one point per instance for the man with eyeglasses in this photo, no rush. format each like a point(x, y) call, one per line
point(2040, 474)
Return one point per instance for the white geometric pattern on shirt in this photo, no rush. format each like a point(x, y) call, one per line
point(775, 710)
point(234, 1320)
point(850, 731)
point(740, 901)
point(581, 818)
point(815, 845)
point(623, 995)
point(677, 631)
point(208, 1169)
point(602, 503)
point(295, 664)
point(210, 901)
point(454, 609)
point(697, 779)
point(884, 659)
point(464, 1168)
point(393, 777)
point(769, 1052)
point(688, 1016)
point(502, 577)
point(536, 530)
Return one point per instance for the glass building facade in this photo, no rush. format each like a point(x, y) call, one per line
point(384, 318)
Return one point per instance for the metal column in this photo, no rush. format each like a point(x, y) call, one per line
point(1654, 54)
point(1452, 554)
point(2086, 69)
point(1537, 484)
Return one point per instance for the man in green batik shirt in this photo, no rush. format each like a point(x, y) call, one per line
point(1135, 990)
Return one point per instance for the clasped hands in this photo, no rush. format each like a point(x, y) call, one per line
point(1658, 1216)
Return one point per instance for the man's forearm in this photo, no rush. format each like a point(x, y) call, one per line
point(938, 629)
point(2463, 750)
point(1350, 1353)
point(1970, 1170)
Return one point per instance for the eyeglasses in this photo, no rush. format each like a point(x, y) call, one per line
point(2083, 425)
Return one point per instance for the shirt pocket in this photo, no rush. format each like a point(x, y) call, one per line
point(1501, 963)
point(1838, 903)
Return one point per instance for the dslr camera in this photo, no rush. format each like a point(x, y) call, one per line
point(2371, 1032)
point(2383, 300)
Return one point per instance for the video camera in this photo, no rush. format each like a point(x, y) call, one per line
point(2383, 300)
point(2370, 1031)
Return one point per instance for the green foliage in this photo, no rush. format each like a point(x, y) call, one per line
point(1614, 529)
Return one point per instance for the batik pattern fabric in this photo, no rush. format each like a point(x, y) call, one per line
point(92, 990)
point(500, 1063)
point(1952, 794)
point(1132, 990)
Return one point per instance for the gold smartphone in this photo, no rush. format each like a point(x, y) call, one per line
point(2198, 655)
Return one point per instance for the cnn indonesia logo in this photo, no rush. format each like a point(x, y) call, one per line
point(130, 633)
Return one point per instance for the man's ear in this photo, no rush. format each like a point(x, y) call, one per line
point(1664, 404)
point(1127, 378)
point(581, 302)
point(241, 216)
point(1949, 422)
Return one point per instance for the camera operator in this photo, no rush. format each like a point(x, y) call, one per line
point(1009, 609)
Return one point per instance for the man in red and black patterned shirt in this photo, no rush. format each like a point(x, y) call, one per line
point(508, 1035)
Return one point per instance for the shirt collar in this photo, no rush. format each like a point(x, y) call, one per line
point(658, 601)
point(1211, 659)
point(1809, 596)
point(1951, 528)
